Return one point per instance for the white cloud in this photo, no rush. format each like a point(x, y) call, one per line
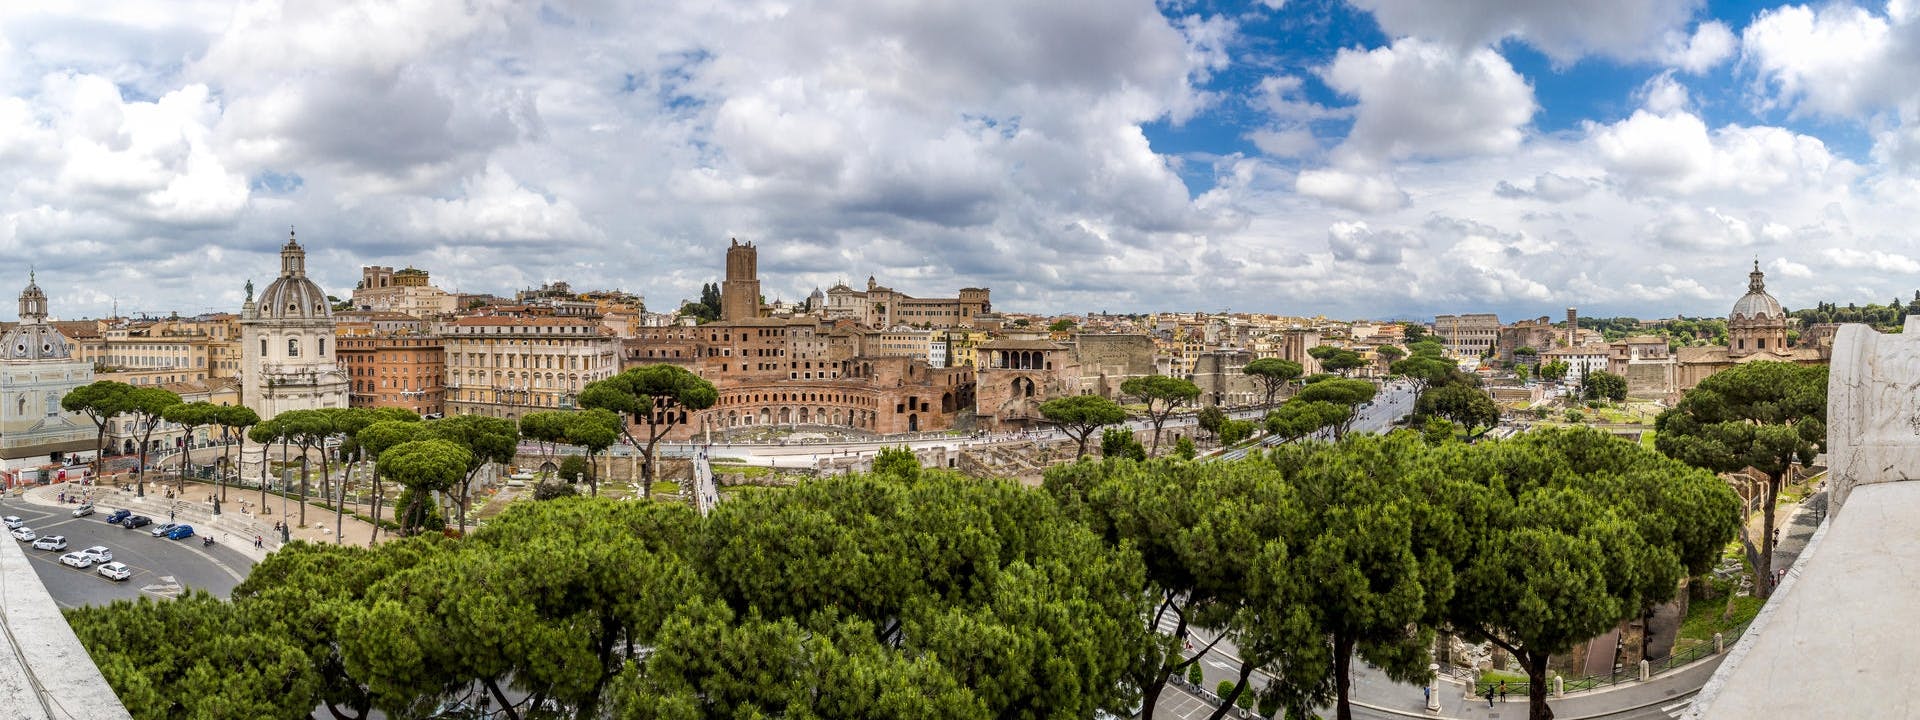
point(1788, 268)
point(1355, 242)
point(1712, 43)
point(1550, 187)
point(1663, 95)
point(1564, 29)
point(1840, 60)
point(1357, 191)
point(494, 208)
point(1422, 100)
point(1878, 260)
point(1674, 152)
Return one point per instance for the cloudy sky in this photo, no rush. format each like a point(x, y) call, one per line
point(1359, 158)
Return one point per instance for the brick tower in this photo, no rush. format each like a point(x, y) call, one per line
point(740, 291)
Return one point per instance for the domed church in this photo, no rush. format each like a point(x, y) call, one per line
point(38, 366)
point(287, 343)
point(1756, 330)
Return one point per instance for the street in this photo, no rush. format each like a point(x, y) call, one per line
point(161, 568)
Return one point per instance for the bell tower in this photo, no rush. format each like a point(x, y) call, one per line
point(740, 291)
point(33, 302)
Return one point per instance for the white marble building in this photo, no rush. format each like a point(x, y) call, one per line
point(288, 359)
point(37, 369)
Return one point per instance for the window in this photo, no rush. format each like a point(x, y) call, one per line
point(263, 347)
point(293, 347)
point(323, 346)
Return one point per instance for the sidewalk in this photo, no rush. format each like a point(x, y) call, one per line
point(233, 527)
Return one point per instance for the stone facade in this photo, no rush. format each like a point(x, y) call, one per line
point(509, 365)
point(400, 369)
point(286, 343)
point(1538, 334)
point(37, 369)
point(1223, 380)
point(1107, 360)
point(408, 291)
point(1017, 376)
point(880, 306)
point(1469, 335)
point(1756, 330)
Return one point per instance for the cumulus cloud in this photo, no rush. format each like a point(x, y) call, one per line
point(1675, 152)
point(1355, 242)
point(1877, 260)
point(1550, 187)
point(1419, 99)
point(1788, 268)
point(1712, 43)
point(1357, 191)
point(1839, 60)
point(1663, 95)
point(1564, 30)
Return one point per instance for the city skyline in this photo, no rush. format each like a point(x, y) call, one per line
point(1360, 159)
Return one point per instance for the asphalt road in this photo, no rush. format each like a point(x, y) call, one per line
point(161, 568)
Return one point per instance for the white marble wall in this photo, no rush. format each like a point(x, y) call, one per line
point(1873, 408)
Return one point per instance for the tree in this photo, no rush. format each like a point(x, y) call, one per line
point(486, 440)
point(190, 417)
point(424, 467)
point(1761, 415)
point(547, 427)
point(1520, 372)
point(1553, 370)
point(100, 401)
point(1212, 420)
point(375, 440)
point(1060, 326)
point(1079, 415)
point(1390, 353)
point(1120, 443)
point(1163, 394)
point(1414, 332)
point(897, 462)
point(1621, 525)
point(1603, 385)
point(180, 658)
point(1183, 448)
point(234, 421)
point(1424, 370)
point(304, 429)
point(657, 396)
point(595, 431)
point(148, 406)
point(346, 424)
point(1469, 406)
point(1376, 554)
point(1337, 360)
point(1299, 418)
point(1339, 391)
point(1273, 374)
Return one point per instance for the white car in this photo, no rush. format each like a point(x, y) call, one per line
point(115, 571)
point(13, 521)
point(74, 559)
point(23, 534)
point(51, 542)
point(99, 553)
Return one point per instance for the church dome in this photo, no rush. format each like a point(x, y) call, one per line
point(292, 296)
point(1757, 304)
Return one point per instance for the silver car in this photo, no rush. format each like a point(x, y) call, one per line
point(99, 553)
point(74, 559)
point(162, 530)
point(13, 522)
point(51, 542)
point(115, 571)
point(23, 534)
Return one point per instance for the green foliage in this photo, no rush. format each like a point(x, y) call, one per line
point(897, 462)
point(1079, 415)
point(1425, 370)
point(1120, 443)
point(1439, 431)
point(1337, 360)
point(1575, 416)
point(1390, 352)
point(1603, 385)
point(1885, 318)
point(1162, 394)
point(1299, 418)
point(1553, 370)
point(708, 308)
point(1273, 374)
point(573, 468)
point(1762, 415)
point(423, 467)
point(554, 490)
point(656, 396)
point(1414, 332)
point(1469, 406)
point(1679, 332)
point(1061, 325)
point(138, 646)
point(1195, 674)
point(1183, 448)
point(1236, 431)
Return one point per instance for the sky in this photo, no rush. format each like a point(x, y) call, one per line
point(1353, 158)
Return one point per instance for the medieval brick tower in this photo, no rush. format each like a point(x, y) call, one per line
point(740, 291)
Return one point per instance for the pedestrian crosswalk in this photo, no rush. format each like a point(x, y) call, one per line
point(168, 587)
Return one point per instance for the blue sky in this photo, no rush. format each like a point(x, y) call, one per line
point(1353, 158)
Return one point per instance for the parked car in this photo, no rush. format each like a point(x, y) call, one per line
point(180, 532)
point(163, 529)
point(116, 571)
point(84, 510)
point(23, 534)
point(137, 521)
point(51, 542)
point(99, 553)
point(74, 559)
point(13, 521)
point(119, 515)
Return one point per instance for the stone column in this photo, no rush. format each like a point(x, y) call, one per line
point(1433, 688)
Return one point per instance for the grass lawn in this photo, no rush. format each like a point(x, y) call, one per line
point(747, 471)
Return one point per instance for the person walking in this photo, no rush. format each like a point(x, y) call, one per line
point(1489, 696)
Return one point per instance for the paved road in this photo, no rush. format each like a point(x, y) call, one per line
point(161, 567)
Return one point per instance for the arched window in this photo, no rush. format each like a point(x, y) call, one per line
point(293, 347)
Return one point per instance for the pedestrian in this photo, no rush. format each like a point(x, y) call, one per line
point(1489, 696)
point(1426, 694)
point(169, 515)
point(256, 542)
point(1503, 691)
